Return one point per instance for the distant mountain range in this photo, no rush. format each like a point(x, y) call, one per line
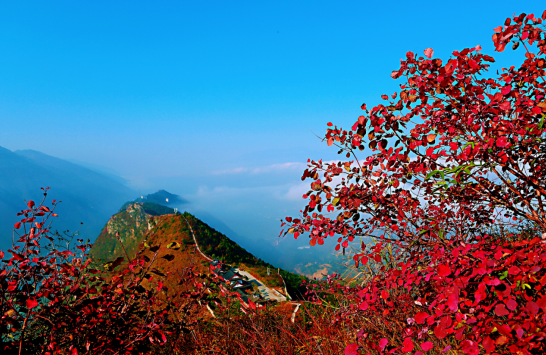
point(87, 196)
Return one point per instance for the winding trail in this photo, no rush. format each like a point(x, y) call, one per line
point(195, 240)
point(267, 292)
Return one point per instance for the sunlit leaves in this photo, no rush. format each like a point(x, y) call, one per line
point(429, 52)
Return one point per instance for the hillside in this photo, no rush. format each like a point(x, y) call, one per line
point(146, 224)
point(87, 196)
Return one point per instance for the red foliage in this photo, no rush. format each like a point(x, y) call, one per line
point(453, 194)
point(53, 301)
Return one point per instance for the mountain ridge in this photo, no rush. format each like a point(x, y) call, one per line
point(136, 230)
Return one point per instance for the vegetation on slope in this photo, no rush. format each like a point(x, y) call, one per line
point(139, 222)
point(130, 225)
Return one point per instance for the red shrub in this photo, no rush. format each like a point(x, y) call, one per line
point(455, 155)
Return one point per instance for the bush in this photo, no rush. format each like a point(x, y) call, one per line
point(53, 302)
point(455, 156)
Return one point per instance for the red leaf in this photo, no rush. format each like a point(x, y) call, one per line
point(427, 345)
point(355, 126)
point(542, 302)
point(488, 344)
point(330, 141)
point(453, 302)
point(444, 270)
point(480, 293)
point(500, 47)
point(364, 306)
point(506, 90)
point(502, 142)
point(17, 225)
point(511, 304)
point(329, 124)
point(31, 303)
point(351, 349)
point(532, 308)
point(505, 106)
point(504, 329)
point(30, 204)
point(470, 347)
point(421, 317)
point(407, 345)
point(500, 310)
point(497, 29)
point(383, 343)
point(384, 97)
point(440, 332)
point(429, 52)
point(514, 270)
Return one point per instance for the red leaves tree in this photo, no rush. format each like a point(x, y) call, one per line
point(452, 193)
point(53, 301)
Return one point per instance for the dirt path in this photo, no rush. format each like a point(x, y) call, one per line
point(266, 292)
point(195, 240)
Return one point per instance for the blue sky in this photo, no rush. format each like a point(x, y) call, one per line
point(215, 100)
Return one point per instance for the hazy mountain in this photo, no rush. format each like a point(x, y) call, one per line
point(162, 197)
point(103, 170)
point(87, 196)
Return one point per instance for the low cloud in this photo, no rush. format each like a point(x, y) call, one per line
point(264, 169)
point(230, 171)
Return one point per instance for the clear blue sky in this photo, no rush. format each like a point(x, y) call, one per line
point(212, 99)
